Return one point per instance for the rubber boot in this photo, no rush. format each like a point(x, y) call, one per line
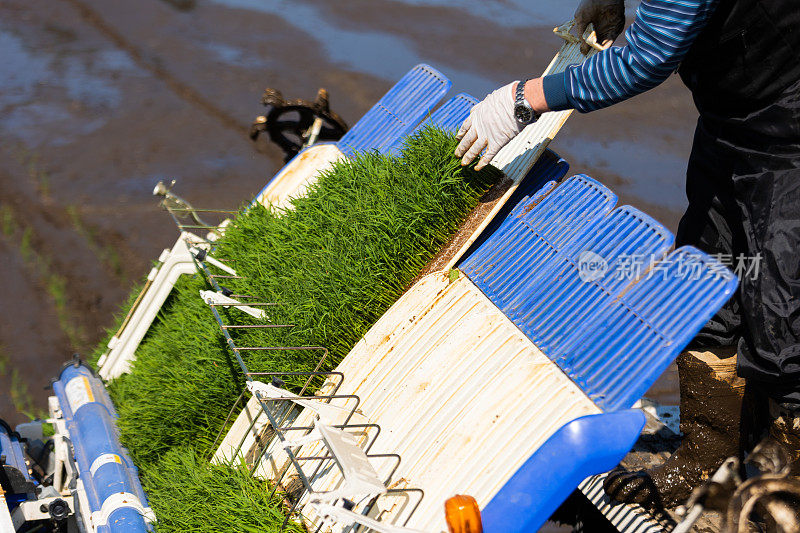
point(784, 432)
point(710, 421)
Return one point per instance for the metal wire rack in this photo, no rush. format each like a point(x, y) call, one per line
point(273, 424)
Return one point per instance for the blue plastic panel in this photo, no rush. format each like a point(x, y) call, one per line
point(396, 114)
point(20, 485)
point(536, 184)
point(448, 117)
point(612, 330)
point(584, 447)
point(452, 114)
point(525, 247)
point(620, 354)
point(548, 307)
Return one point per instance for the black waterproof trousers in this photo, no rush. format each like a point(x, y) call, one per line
point(743, 186)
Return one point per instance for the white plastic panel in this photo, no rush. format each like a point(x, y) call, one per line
point(460, 393)
point(301, 172)
point(122, 348)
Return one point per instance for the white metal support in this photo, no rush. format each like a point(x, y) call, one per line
point(339, 515)
point(360, 478)
point(34, 510)
point(122, 347)
point(216, 298)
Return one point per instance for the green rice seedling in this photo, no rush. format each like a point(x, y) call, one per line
point(333, 263)
point(190, 495)
point(8, 224)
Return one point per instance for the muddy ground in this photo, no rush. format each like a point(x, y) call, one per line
point(100, 99)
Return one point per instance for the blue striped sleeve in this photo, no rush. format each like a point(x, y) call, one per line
point(659, 38)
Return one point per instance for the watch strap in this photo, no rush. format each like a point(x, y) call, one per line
point(519, 94)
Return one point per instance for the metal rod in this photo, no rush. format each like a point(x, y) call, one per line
point(227, 418)
point(288, 348)
point(314, 397)
point(413, 509)
point(256, 326)
point(203, 210)
point(339, 426)
point(198, 226)
point(246, 433)
point(248, 304)
point(272, 421)
point(315, 373)
point(316, 368)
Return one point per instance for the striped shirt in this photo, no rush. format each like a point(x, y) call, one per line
point(659, 38)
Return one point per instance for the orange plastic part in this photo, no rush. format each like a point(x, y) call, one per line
point(463, 515)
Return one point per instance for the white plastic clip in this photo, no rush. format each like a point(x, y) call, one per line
point(197, 251)
point(215, 298)
point(329, 413)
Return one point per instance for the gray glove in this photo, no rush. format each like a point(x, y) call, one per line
point(607, 17)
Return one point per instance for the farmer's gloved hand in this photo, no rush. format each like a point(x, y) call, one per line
point(490, 124)
point(607, 17)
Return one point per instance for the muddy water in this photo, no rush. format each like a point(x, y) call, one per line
point(100, 99)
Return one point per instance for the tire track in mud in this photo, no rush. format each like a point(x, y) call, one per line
point(181, 89)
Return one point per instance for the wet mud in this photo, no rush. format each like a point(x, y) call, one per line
point(715, 426)
point(101, 99)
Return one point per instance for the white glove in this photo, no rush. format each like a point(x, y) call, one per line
point(491, 124)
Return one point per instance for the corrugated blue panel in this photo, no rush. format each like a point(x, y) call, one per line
point(451, 114)
point(396, 114)
point(548, 307)
point(539, 181)
point(631, 342)
point(448, 117)
point(524, 247)
point(614, 329)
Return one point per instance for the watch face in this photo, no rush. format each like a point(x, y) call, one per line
point(522, 113)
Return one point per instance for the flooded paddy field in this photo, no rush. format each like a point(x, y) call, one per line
point(101, 99)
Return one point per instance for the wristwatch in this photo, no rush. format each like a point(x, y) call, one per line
point(523, 111)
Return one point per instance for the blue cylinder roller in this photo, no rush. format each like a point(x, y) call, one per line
point(115, 497)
